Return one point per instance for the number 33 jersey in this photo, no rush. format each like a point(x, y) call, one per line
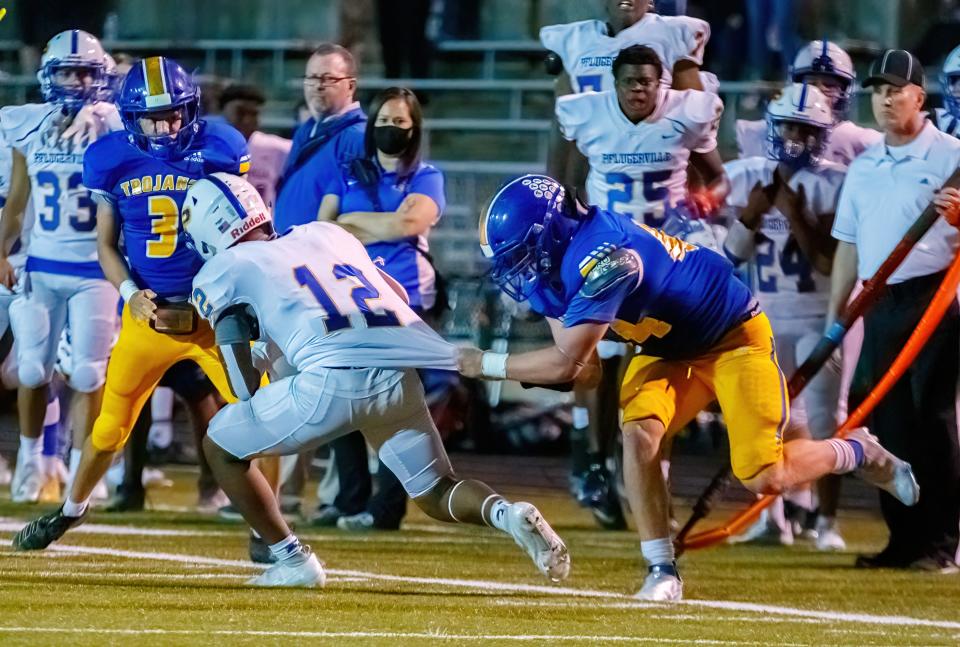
point(65, 227)
point(638, 170)
point(320, 299)
point(147, 194)
point(781, 276)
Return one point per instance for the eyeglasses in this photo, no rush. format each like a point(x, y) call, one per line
point(325, 81)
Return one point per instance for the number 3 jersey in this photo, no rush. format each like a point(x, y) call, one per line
point(63, 239)
point(148, 192)
point(673, 298)
point(639, 169)
point(320, 299)
point(781, 276)
point(587, 51)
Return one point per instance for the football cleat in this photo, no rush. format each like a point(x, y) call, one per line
point(594, 485)
point(356, 522)
point(28, 479)
point(828, 535)
point(306, 572)
point(764, 532)
point(41, 532)
point(260, 551)
point(532, 533)
point(884, 470)
point(661, 585)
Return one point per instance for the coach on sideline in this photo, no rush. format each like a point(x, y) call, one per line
point(331, 136)
point(886, 189)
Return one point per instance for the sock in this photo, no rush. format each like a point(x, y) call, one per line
point(255, 533)
point(288, 548)
point(497, 517)
point(51, 428)
point(849, 455)
point(75, 455)
point(161, 408)
point(31, 447)
point(659, 552)
point(71, 509)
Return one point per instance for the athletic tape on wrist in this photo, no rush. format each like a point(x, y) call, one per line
point(494, 365)
point(740, 241)
point(127, 289)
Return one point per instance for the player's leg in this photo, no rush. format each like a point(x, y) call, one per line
point(658, 399)
point(752, 393)
point(398, 423)
point(36, 317)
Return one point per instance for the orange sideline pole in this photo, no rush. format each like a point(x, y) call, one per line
point(945, 294)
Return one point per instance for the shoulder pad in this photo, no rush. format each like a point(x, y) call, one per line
point(617, 266)
point(553, 63)
point(237, 325)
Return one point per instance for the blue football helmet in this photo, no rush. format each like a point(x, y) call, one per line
point(825, 57)
point(525, 232)
point(72, 50)
point(948, 83)
point(158, 84)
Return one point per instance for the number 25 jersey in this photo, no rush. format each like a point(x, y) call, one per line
point(320, 299)
point(148, 192)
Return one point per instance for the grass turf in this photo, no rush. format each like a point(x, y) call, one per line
point(170, 577)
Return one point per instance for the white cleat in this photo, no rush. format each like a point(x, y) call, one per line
point(305, 574)
point(533, 534)
point(884, 470)
point(764, 532)
point(6, 476)
point(660, 586)
point(828, 536)
point(28, 481)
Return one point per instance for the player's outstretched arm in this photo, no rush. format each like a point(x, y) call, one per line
point(716, 183)
point(571, 355)
point(12, 221)
point(235, 330)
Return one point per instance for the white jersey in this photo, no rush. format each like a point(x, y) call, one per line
point(65, 228)
point(321, 301)
point(781, 277)
point(948, 123)
point(639, 169)
point(268, 154)
point(587, 51)
point(845, 142)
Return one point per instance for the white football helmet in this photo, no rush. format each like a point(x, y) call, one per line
point(824, 57)
point(948, 79)
point(219, 210)
point(805, 104)
point(72, 49)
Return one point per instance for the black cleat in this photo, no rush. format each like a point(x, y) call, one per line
point(259, 551)
point(41, 532)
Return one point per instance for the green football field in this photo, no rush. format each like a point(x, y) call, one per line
point(176, 577)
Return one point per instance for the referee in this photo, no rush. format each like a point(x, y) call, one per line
point(886, 189)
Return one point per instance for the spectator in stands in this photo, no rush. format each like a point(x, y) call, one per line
point(332, 135)
point(404, 47)
point(389, 199)
point(240, 105)
point(39, 21)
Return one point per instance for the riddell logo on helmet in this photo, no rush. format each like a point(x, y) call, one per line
point(248, 224)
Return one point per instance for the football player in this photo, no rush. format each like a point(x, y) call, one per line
point(828, 67)
point(704, 338)
point(783, 206)
point(948, 117)
point(62, 278)
point(139, 178)
point(341, 358)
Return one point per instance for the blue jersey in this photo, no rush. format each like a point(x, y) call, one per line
point(147, 194)
point(398, 258)
point(316, 156)
point(672, 297)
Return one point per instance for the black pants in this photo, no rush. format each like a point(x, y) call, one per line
point(917, 420)
point(388, 505)
point(403, 38)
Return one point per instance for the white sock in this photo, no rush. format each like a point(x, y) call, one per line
point(71, 509)
point(581, 417)
point(31, 448)
point(497, 517)
point(161, 408)
point(658, 551)
point(75, 455)
point(288, 548)
point(846, 458)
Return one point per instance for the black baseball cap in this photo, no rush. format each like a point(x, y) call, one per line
point(897, 67)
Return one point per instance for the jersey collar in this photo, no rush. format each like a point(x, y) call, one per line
point(919, 148)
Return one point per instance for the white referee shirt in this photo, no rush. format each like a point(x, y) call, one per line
point(886, 190)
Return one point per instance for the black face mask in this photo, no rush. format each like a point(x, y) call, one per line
point(391, 140)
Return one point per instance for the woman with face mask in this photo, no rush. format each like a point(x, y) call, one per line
point(389, 199)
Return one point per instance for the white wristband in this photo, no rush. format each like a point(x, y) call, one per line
point(494, 365)
point(740, 242)
point(127, 289)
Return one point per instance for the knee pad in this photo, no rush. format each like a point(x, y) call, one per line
point(417, 459)
point(88, 377)
point(32, 374)
point(31, 327)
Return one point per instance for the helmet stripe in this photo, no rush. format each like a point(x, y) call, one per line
point(803, 98)
point(228, 192)
point(74, 35)
point(153, 73)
